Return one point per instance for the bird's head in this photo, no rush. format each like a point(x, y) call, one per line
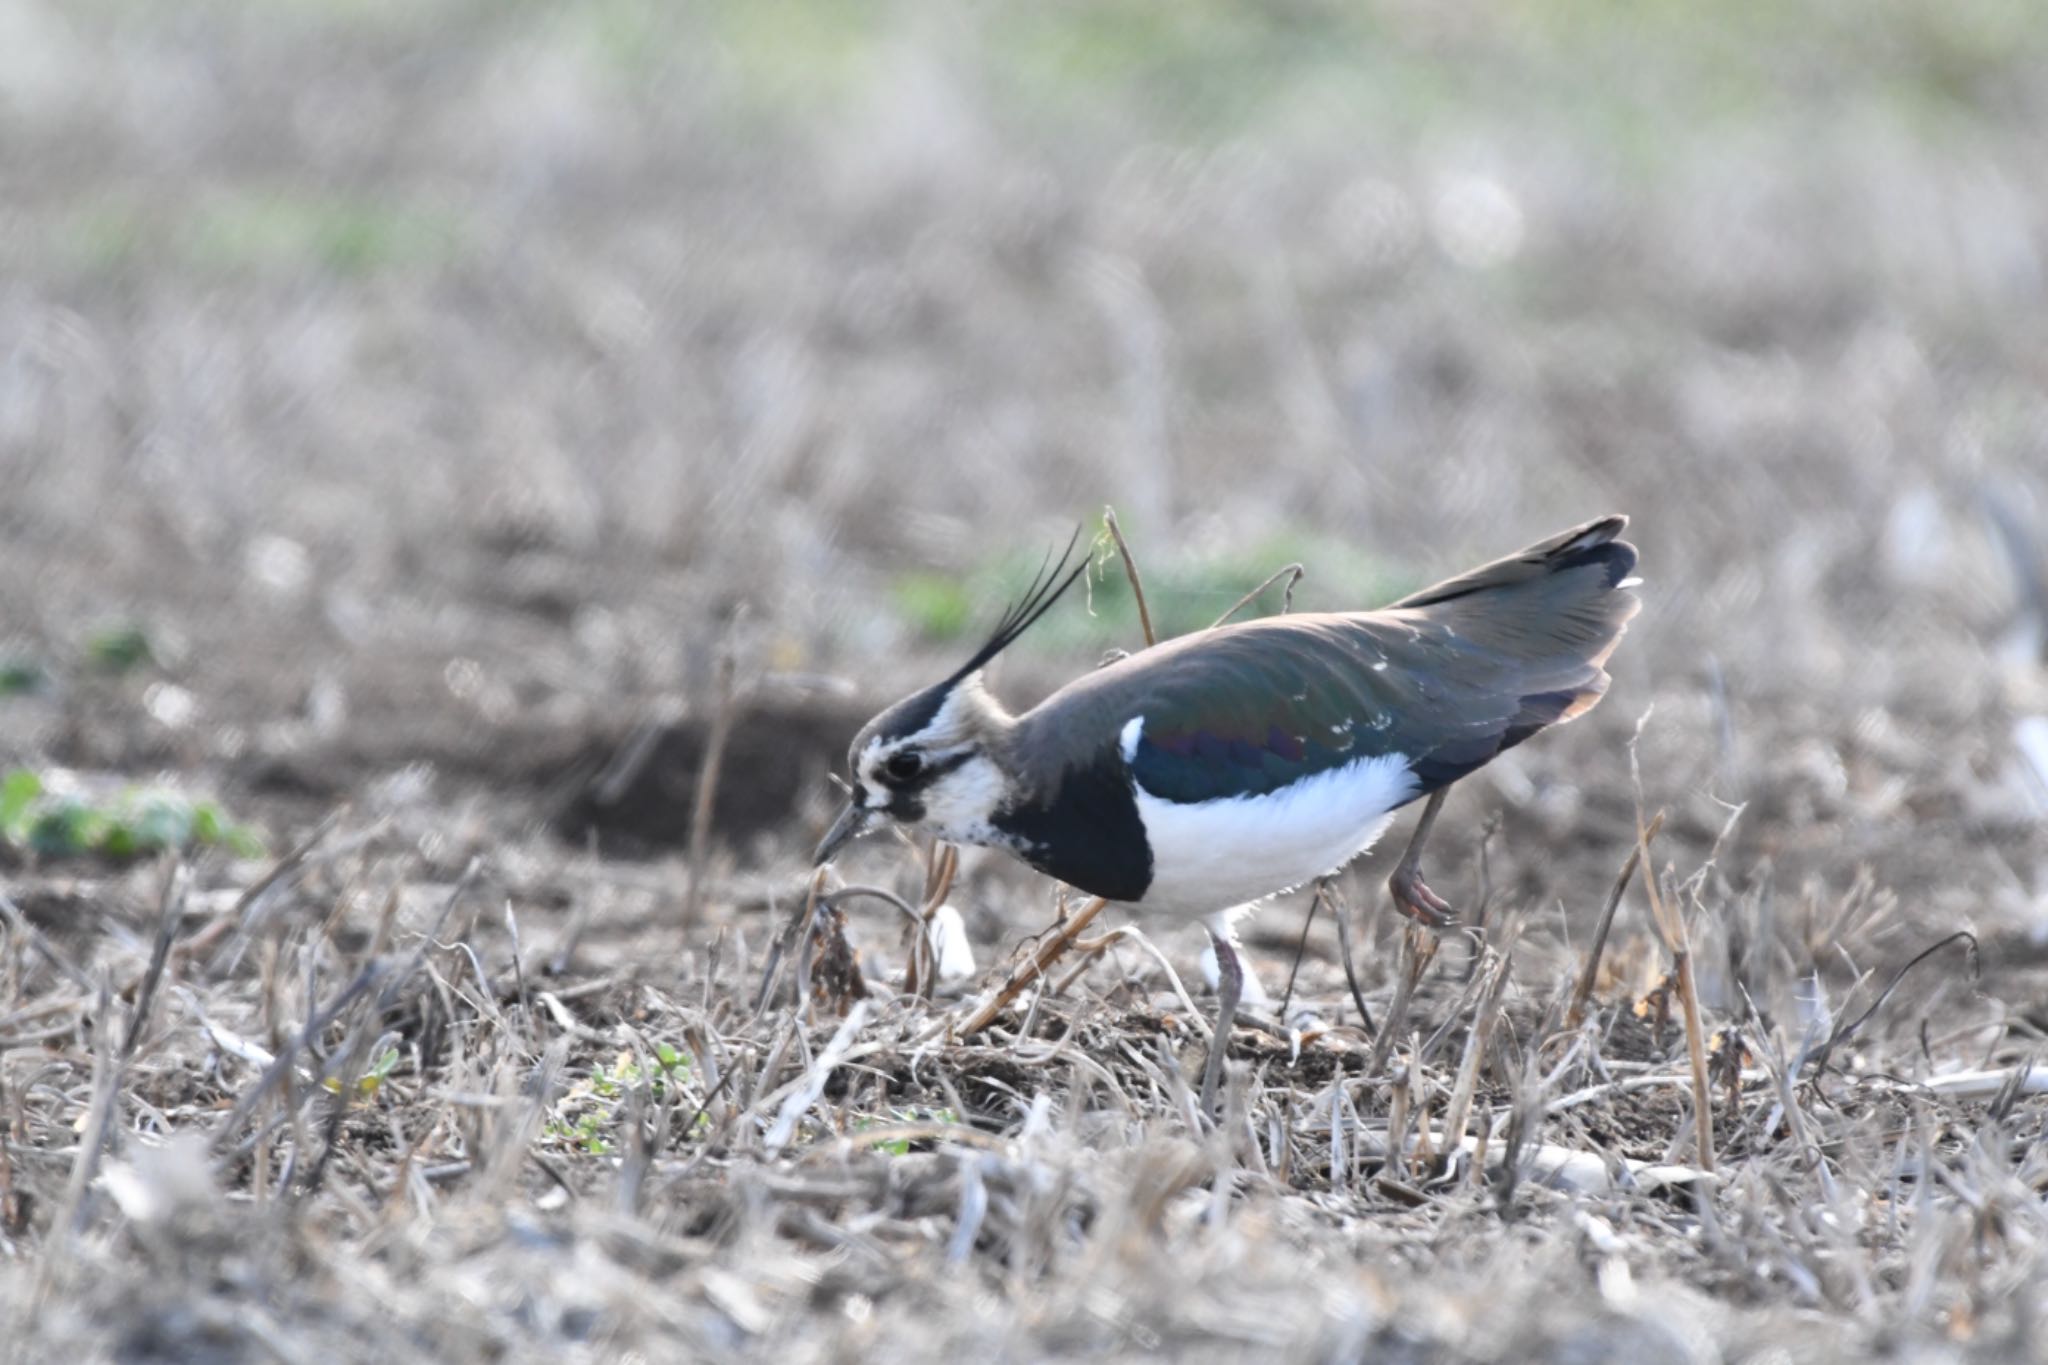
point(934, 760)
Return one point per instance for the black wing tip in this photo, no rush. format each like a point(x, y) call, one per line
point(1595, 533)
point(1617, 558)
point(1047, 586)
point(1594, 545)
point(1609, 526)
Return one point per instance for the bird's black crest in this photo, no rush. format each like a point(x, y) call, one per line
point(1051, 581)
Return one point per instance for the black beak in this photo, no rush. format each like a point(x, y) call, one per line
point(853, 822)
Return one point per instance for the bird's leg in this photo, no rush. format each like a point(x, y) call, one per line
point(1229, 988)
point(1412, 896)
point(1253, 992)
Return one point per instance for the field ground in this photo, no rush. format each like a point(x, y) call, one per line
point(408, 413)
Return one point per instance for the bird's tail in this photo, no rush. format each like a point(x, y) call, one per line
point(1556, 609)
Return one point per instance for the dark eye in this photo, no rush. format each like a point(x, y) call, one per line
point(903, 767)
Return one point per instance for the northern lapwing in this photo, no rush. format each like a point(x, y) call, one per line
point(1213, 770)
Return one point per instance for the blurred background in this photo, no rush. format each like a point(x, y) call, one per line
point(422, 420)
point(386, 384)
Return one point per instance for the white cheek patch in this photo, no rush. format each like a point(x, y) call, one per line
point(1127, 739)
point(961, 805)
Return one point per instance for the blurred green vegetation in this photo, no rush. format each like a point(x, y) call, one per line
point(120, 647)
point(1221, 68)
point(1636, 79)
point(133, 823)
point(374, 1076)
point(588, 1116)
point(21, 676)
point(284, 231)
point(1210, 70)
point(1183, 593)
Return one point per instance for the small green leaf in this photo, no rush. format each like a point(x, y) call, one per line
point(242, 842)
point(212, 827)
point(161, 822)
point(18, 792)
point(119, 649)
point(379, 1071)
point(67, 829)
point(21, 676)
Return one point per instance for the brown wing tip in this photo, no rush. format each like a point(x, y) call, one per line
point(1588, 697)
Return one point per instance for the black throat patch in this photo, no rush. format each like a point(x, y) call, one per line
point(1086, 831)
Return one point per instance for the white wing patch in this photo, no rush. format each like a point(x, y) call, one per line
point(1127, 739)
point(1211, 855)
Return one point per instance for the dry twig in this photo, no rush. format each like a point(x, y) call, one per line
point(1584, 990)
point(1034, 967)
point(1131, 572)
point(714, 759)
point(1672, 926)
point(1294, 573)
point(1485, 1011)
point(170, 905)
point(921, 965)
point(1418, 949)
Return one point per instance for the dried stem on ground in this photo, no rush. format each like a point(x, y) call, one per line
point(1131, 572)
point(1485, 1011)
point(170, 907)
point(799, 922)
point(1672, 926)
point(1033, 968)
point(1583, 992)
point(1418, 950)
point(1341, 913)
point(724, 696)
point(1315, 903)
point(921, 963)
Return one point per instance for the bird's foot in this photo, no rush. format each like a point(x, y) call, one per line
point(1413, 898)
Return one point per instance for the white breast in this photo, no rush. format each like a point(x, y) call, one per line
point(1210, 855)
